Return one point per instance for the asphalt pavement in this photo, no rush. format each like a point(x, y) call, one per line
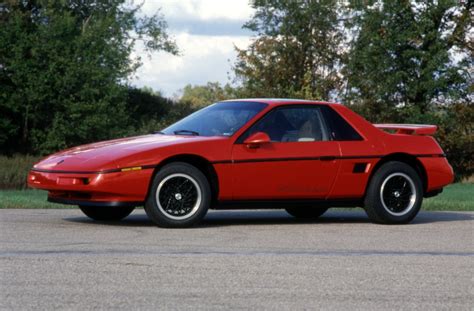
point(249, 260)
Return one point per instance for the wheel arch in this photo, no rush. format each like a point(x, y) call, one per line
point(406, 158)
point(197, 161)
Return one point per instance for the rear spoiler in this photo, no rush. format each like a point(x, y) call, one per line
point(410, 129)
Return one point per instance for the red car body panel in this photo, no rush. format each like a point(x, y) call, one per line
point(120, 171)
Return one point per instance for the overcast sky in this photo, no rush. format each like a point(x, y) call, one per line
point(206, 32)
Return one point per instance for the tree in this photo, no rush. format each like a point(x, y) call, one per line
point(456, 136)
point(144, 106)
point(408, 55)
point(410, 62)
point(63, 65)
point(150, 112)
point(202, 95)
point(297, 52)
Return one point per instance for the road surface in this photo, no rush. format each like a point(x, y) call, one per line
point(59, 259)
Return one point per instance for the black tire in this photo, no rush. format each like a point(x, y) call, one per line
point(107, 213)
point(306, 212)
point(394, 195)
point(179, 197)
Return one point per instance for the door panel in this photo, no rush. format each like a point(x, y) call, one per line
point(285, 170)
point(357, 163)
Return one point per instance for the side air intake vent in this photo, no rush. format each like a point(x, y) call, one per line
point(359, 168)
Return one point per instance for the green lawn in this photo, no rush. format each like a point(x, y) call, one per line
point(457, 197)
point(27, 199)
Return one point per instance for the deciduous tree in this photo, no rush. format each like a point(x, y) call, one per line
point(202, 95)
point(63, 66)
point(408, 54)
point(297, 50)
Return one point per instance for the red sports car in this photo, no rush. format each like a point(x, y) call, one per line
point(304, 156)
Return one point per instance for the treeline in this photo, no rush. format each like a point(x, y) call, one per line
point(64, 67)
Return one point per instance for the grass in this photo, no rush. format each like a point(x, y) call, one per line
point(27, 199)
point(14, 171)
point(456, 197)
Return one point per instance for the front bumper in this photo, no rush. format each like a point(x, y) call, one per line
point(107, 189)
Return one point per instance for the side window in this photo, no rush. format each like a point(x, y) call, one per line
point(340, 129)
point(292, 124)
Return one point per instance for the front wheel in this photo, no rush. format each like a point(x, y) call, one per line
point(106, 213)
point(179, 197)
point(394, 195)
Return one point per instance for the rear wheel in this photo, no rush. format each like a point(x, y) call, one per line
point(106, 213)
point(179, 197)
point(394, 195)
point(306, 212)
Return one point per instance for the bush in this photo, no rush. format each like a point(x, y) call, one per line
point(14, 171)
point(456, 137)
point(156, 123)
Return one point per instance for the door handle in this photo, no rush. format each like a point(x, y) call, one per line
point(328, 158)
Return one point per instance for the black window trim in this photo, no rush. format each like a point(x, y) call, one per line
point(265, 106)
point(330, 124)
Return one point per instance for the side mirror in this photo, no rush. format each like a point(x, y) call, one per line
point(257, 139)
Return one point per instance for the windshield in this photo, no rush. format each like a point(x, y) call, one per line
point(220, 119)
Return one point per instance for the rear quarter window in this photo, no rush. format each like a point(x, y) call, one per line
point(341, 130)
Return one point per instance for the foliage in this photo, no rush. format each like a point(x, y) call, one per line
point(62, 66)
point(402, 55)
point(202, 95)
point(150, 112)
point(297, 52)
point(144, 106)
point(177, 111)
point(456, 136)
point(14, 171)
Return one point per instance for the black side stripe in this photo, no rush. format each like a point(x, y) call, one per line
point(74, 172)
point(316, 158)
point(222, 162)
point(323, 158)
point(293, 159)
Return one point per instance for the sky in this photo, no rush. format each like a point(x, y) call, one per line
point(206, 32)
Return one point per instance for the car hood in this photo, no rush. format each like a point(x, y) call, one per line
point(106, 155)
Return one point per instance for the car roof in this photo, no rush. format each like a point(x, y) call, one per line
point(281, 101)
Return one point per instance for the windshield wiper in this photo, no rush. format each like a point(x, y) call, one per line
point(159, 132)
point(194, 133)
